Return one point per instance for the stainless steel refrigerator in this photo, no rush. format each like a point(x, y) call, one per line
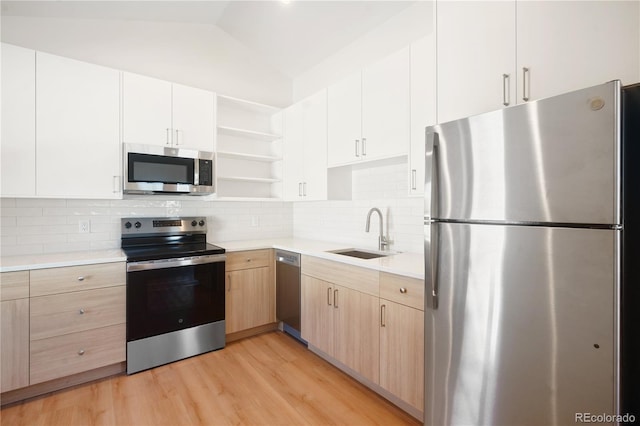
point(527, 210)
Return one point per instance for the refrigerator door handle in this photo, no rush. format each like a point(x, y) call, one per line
point(430, 226)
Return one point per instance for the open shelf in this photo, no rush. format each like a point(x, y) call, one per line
point(249, 179)
point(249, 157)
point(232, 131)
point(249, 149)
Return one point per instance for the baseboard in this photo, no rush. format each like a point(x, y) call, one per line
point(238, 335)
point(39, 389)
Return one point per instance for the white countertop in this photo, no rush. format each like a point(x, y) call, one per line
point(57, 260)
point(407, 264)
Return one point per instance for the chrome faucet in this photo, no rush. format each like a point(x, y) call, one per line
point(382, 240)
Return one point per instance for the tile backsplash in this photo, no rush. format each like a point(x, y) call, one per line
point(384, 187)
point(32, 226)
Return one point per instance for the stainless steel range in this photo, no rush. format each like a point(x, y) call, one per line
point(175, 290)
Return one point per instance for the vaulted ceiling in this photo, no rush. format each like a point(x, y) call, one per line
point(292, 36)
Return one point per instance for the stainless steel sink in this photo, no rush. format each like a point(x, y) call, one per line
point(361, 254)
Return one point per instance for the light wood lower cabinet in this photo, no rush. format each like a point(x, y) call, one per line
point(402, 352)
point(78, 311)
point(250, 290)
point(73, 353)
point(402, 338)
point(14, 329)
point(317, 316)
point(338, 320)
point(343, 323)
point(77, 320)
point(371, 322)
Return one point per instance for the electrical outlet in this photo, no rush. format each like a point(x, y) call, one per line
point(84, 226)
point(255, 221)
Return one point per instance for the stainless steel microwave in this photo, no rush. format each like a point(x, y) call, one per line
point(150, 169)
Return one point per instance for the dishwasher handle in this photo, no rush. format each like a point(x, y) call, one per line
point(288, 258)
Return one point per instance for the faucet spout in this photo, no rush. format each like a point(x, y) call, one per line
point(382, 241)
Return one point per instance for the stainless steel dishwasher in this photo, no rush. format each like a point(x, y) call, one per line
point(288, 292)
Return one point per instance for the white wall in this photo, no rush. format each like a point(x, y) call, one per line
point(192, 54)
point(399, 31)
point(33, 226)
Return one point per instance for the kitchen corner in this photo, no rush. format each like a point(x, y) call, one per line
point(407, 264)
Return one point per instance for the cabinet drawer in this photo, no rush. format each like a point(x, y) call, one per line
point(361, 279)
point(14, 285)
point(248, 259)
point(404, 290)
point(75, 278)
point(77, 352)
point(66, 313)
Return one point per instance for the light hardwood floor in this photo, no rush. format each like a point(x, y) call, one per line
point(264, 380)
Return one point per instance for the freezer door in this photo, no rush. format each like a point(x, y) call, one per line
point(524, 329)
point(554, 160)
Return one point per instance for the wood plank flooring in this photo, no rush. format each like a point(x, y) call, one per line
point(264, 380)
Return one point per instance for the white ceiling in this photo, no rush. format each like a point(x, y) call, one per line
point(293, 36)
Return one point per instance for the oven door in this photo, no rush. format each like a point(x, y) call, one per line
point(173, 294)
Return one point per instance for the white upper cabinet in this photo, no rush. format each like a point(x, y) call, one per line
point(157, 112)
point(305, 149)
point(146, 110)
point(193, 118)
point(475, 56)
point(385, 107)
point(569, 45)
point(423, 107)
point(368, 112)
point(498, 53)
point(18, 170)
point(345, 120)
point(77, 128)
point(293, 153)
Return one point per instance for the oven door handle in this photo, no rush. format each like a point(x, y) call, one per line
point(175, 262)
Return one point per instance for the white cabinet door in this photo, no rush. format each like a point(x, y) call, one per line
point(475, 51)
point(385, 107)
point(293, 139)
point(77, 128)
point(146, 110)
point(345, 120)
point(314, 110)
point(18, 149)
point(193, 118)
point(423, 107)
point(305, 149)
point(570, 45)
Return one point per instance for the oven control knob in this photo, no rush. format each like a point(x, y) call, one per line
point(127, 225)
point(201, 223)
point(138, 225)
point(194, 223)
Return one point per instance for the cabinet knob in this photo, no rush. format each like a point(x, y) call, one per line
point(81, 352)
point(403, 290)
point(81, 311)
point(249, 260)
point(81, 278)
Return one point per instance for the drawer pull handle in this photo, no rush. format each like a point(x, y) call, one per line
point(249, 260)
point(403, 290)
point(80, 278)
point(81, 311)
point(383, 319)
point(81, 352)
